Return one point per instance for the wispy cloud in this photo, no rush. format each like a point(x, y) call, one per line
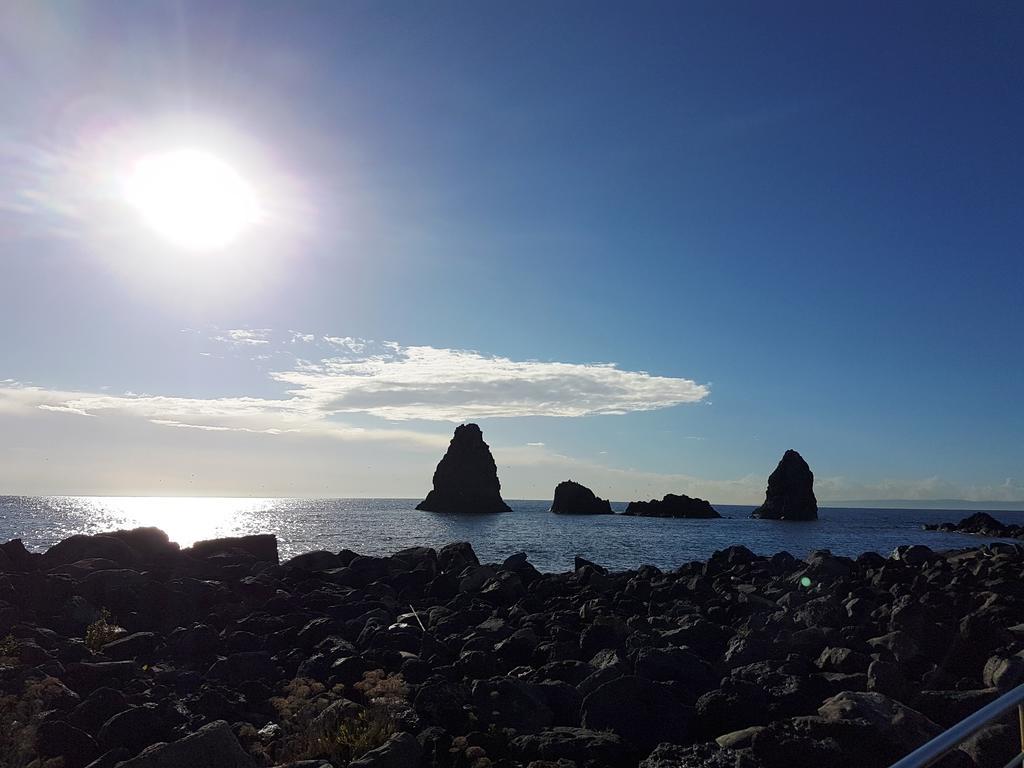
point(245, 336)
point(377, 379)
point(401, 383)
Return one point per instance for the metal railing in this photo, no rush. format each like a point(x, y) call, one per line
point(951, 738)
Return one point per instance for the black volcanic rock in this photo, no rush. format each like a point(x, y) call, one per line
point(790, 494)
point(981, 524)
point(734, 661)
point(571, 498)
point(672, 505)
point(466, 479)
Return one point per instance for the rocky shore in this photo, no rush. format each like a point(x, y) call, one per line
point(123, 650)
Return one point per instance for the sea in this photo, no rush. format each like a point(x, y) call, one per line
point(384, 526)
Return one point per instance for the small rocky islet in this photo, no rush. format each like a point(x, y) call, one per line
point(122, 649)
point(980, 524)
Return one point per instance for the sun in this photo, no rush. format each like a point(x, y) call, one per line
point(191, 198)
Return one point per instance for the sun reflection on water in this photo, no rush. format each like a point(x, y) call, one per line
point(185, 520)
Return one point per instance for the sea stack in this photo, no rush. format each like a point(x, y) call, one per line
point(571, 498)
point(790, 494)
point(672, 505)
point(466, 479)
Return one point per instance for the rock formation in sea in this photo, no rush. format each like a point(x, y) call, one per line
point(672, 505)
point(466, 479)
point(790, 494)
point(572, 498)
point(981, 524)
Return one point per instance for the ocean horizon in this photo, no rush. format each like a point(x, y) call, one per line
point(381, 526)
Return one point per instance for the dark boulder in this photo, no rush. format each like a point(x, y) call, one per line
point(134, 729)
point(261, 547)
point(17, 558)
point(892, 724)
point(454, 557)
point(992, 744)
point(399, 751)
point(509, 703)
point(212, 746)
point(83, 547)
point(602, 747)
point(698, 756)
point(443, 703)
point(151, 543)
point(571, 498)
point(790, 494)
point(139, 645)
point(672, 505)
point(246, 665)
point(466, 479)
point(734, 706)
point(57, 738)
point(101, 705)
point(675, 665)
point(642, 712)
point(318, 560)
point(84, 677)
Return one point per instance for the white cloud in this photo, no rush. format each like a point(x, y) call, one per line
point(420, 382)
point(383, 380)
point(358, 346)
point(245, 336)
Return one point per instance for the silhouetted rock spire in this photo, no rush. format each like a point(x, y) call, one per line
point(466, 479)
point(571, 498)
point(790, 494)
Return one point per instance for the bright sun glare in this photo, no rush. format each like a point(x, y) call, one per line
point(192, 198)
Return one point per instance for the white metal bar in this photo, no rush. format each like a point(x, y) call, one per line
point(947, 740)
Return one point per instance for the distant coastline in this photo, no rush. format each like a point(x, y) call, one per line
point(934, 504)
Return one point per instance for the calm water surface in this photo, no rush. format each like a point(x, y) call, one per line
point(383, 526)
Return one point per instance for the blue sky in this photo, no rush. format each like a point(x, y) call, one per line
point(787, 226)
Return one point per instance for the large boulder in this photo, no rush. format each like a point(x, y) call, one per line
point(672, 505)
point(903, 728)
point(83, 547)
point(400, 751)
point(260, 546)
point(571, 498)
point(466, 479)
point(790, 494)
point(212, 746)
point(642, 712)
point(18, 558)
point(602, 747)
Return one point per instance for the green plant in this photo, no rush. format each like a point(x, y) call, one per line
point(368, 730)
point(101, 632)
point(355, 735)
point(9, 647)
point(19, 714)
